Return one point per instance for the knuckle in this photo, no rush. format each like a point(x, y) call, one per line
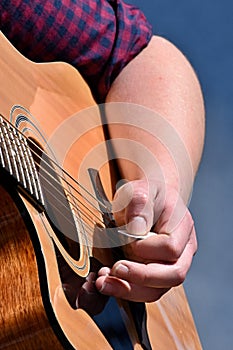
point(190, 219)
point(140, 204)
point(139, 197)
point(193, 241)
point(132, 197)
point(173, 250)
point(195, 247)
point(180, 275)
point(146, 279)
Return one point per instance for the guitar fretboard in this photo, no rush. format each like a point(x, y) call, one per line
point(17, 160)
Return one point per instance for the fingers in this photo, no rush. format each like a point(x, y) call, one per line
point(156, 275)
point(145, 282)
point(148, 203)
point(163, 246)
point(128, 291)
point(158, 262)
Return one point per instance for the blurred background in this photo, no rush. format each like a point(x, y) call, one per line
point(203, 30)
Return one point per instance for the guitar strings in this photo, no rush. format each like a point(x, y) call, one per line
point(108, 221)
point(62, 177)
point(50, 160)
point(64, 172)
point(88, 229)
point(73, 203)
point(106, 215)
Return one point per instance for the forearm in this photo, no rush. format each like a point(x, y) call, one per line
point(160, 78)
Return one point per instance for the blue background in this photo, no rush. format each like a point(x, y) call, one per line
point(203, 30)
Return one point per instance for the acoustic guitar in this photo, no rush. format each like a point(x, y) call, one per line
point(56, 222)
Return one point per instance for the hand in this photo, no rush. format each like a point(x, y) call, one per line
point(160, 261)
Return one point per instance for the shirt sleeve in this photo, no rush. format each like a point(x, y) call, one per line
point(98, 37)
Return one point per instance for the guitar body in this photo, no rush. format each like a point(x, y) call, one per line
point(24, 324)
point(49, 257)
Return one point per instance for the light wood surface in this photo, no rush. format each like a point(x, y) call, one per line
point(54, 94)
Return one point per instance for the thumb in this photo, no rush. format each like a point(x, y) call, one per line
point(137, 213)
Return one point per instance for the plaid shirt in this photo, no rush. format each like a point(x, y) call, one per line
point(98, 37)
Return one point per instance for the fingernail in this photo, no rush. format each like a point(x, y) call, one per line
point(137, 226)
point(104, 271)
point(121, 270)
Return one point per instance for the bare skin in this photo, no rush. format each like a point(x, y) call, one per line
point(161, 79)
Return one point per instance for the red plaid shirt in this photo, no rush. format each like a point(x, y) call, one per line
point(98, 37)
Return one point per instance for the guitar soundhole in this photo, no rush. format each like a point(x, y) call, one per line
point(58, 210)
